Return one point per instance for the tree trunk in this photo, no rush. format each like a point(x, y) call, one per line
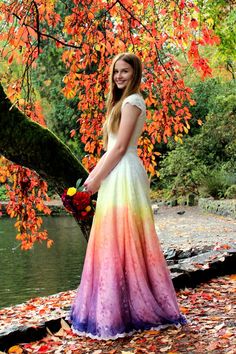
point(29, 144)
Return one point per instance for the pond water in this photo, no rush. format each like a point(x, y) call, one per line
point(40, 271)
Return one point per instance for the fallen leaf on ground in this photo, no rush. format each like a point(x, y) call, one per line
point(210, 329)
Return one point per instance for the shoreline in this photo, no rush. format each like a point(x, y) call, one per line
point(223, 207)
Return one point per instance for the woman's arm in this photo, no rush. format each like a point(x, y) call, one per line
point(129, 116)
point(97, 167)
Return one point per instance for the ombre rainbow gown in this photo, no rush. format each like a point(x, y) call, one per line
point(125, 284)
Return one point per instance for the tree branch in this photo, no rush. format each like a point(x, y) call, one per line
point(29, 144)
point(39, 33)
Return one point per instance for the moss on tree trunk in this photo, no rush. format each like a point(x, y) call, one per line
point(29, 144)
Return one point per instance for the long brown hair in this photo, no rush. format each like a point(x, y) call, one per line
point(116, 96)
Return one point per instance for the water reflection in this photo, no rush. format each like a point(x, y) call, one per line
point(40, 271)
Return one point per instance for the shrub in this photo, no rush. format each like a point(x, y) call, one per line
point(206, 163)
point(215, 183)
point(231, 192)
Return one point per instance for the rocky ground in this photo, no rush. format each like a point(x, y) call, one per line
point(210, 307)
point(186, 227)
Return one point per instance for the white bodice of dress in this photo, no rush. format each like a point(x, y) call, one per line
point(136, 100)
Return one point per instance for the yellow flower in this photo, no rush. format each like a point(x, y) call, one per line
point(71, 191)
point(88, 208)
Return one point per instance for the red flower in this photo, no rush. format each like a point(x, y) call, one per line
point(81, 200)
point(79, 203)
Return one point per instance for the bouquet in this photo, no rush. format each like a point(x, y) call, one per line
point(79, 203)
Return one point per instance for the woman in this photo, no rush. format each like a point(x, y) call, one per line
point(125, 284)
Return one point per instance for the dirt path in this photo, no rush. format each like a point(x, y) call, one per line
point(186, 227)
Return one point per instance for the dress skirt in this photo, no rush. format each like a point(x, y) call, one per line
point(125, 285)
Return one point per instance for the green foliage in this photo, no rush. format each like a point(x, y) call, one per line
point(227, 33)
point(215, 183)
point(221, 15)
point(206, 163)
point(204, 93)
point(156, 195)
point(231, 192)
point(61, 114)
point(3, 195)
point(176, 173)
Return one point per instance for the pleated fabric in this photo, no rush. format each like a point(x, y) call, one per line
point(125, 285)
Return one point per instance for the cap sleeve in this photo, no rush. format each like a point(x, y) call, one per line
point(135, 100)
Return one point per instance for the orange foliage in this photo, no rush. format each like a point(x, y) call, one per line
point(138, 28)
point(25, 188)
point(93, 32)
point(27, 194)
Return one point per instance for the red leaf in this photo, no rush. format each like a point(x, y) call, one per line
point(10, 59)
point(194, 23)
point(44, 349)
point(72, 133)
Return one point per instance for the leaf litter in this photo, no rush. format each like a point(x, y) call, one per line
point(210, 309)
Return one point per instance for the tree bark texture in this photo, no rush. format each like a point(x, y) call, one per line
point(28, 144)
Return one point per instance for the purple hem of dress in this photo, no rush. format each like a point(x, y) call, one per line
point(182, 322)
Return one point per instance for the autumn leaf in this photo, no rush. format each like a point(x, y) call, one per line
point(10, 59)
point(210, 325)
point(184, 309)
point(72, 133)
point(64, 325)
point(199, 121)
point(44, 349)
point(151, 332)
point(165, 349)
point(16, 349)
point(60, 333)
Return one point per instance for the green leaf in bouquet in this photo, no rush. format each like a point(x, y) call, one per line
point(78, 186)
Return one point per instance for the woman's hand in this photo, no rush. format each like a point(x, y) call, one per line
point(91, 185)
